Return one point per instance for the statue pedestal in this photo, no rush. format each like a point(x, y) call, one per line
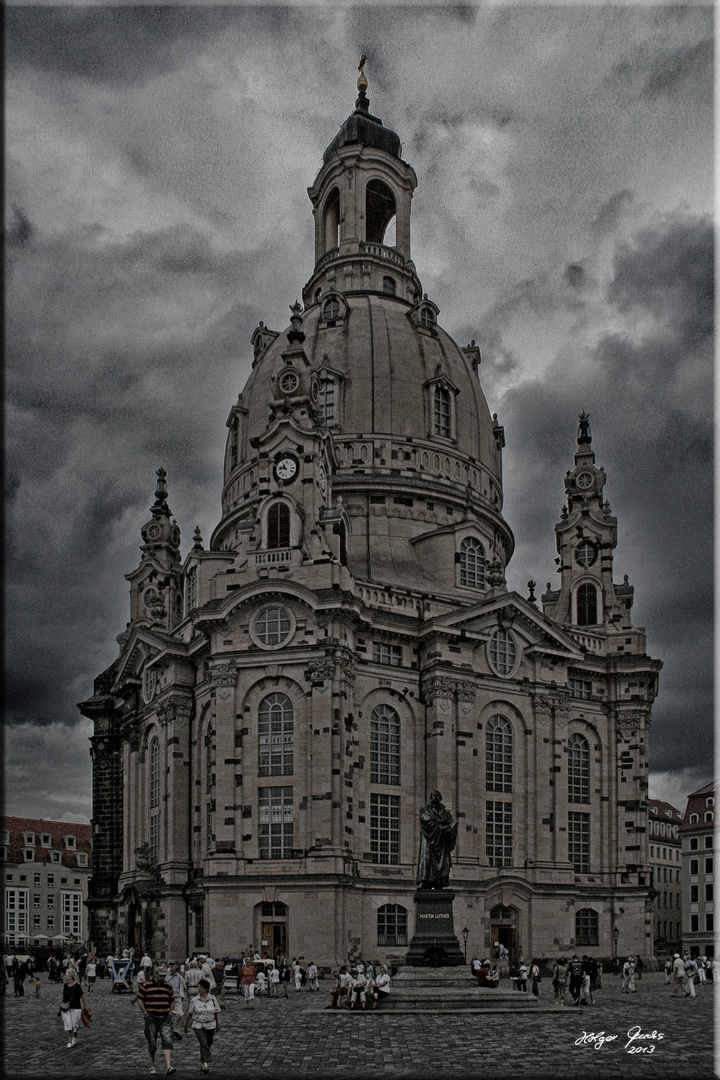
point(434, 943)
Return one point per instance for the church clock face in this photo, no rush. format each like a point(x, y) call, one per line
point(153, 532)
point(584, 480)
point(286, 468)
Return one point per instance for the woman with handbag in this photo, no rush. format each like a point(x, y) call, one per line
point(71, 1006)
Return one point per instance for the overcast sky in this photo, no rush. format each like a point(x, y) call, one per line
point(157, 160)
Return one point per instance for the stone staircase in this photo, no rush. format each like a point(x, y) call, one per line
point(439, 989)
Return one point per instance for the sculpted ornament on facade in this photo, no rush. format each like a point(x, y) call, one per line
point(320, 670)
point(223, 678)
point(629, 722)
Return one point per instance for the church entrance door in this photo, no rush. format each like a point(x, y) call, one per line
point(273, 938)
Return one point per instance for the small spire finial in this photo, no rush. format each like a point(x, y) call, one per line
point(161, 491)
point(584, 436)
point(362, 83)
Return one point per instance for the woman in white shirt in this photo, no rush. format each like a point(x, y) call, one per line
point(382, 987)
point(204, 1015)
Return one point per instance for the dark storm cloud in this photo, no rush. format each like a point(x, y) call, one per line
point(19, 230)
point(610, 212)
point(649, 394)
point(656, 72)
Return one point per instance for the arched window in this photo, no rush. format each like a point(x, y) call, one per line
point(502, 651)
point(442, 411)
point(278, 525)
point(578, 769)
point(154, 800)
point(275, 736)
point(379, 211)
point(587, 605)
point(332, 220)
point(191, 590)
point(326, 400)
point(389, 286)
point(427, 318)
point(709, 815)
point(587, 927)
point(154, 775)
point(694, 818)
point(472, 563)
point(498, 754)
point(392, 925)
point(384, 746)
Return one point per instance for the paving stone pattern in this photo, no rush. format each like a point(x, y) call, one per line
point(299, 1037)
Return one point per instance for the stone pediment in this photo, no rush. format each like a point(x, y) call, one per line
point(140, 649)
point(510, 610)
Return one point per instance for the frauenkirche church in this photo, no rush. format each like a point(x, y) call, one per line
point(285, 699)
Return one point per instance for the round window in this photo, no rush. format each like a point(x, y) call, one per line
point(331, 309)
point(289, 381)
point(273, 627)
point(502, 652)
point(586, 553)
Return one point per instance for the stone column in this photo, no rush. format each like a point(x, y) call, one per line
point(223, 677)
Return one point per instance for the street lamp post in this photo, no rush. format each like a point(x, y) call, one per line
point(615, 936)
point(465, 933)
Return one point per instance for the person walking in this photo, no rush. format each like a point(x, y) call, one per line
point(668, 971)
point(312, 976)
point(247, 981)
point(155, 1000)
point(535, 976)
point(678, 971)
point(628, 976)
point(297, 970)
point(575, 973)
point(71, 1006)
point(91, 972)
point(177, 981)
point(522, 976)
point(690, 973)
point(559, 980)
point(204, 1014)
point(218, 972)
point(274, 980)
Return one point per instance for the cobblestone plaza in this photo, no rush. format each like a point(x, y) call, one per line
point(299, 1037)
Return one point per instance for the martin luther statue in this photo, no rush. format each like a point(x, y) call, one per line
point(438, 835)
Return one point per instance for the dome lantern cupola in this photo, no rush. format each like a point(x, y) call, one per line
point(362, 189)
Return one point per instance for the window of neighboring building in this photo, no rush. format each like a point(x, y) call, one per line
point(578, 769)
point(580, 688)
point(5, 836)
point(384, 653)
point(36, 899)
point(46, 839)
point(82, 859)
point(29, 839)
point(694, 894)
point(275, 822)
point(694, 924)
point(278, 525)
point(55, 856)
point(274, 626)
point(50, 901)
point(502, 652)
point(709, 815)
point(16, 912)
point(326, 400)
point(498, 833)
point(708, 865)
point(51, 922)
point(710, 801)
point(693, 843)
point(498, 754)
point(587, 606)
point(275, 736)
point(385, 829)
point(70, 843)
point(29, 854)
point(708, 893)
point(472, 563)
point(587, 927)
point(693, 866)
point(51, 881)
point(694, 818)
point(36, 879)
point(391, 925)
point(384, 746)
point(709, 924)
point(708, 841)
point(579, 842)
point(441, 398)
point(71, 907)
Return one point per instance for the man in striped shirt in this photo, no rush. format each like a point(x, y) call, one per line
point(156, 998)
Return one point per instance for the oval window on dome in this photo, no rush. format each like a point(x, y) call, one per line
point(502, 652)
point(273, 627)
point(331, 309)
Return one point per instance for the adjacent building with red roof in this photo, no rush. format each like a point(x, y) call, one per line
point(664, 821)
point(697, 834)
point(47, 866)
